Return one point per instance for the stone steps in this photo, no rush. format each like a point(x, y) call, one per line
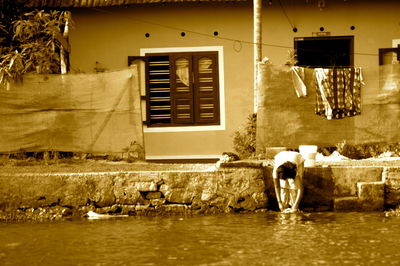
point(391, 177)
point(370, 197)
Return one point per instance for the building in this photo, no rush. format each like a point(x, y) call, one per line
point(197, 82)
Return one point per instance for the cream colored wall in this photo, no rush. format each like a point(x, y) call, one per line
point(376, 24)
point(110, 35)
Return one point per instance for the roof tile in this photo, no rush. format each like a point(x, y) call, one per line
point(104, 3)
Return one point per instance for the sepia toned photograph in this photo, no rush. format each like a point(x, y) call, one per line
point(199, 132)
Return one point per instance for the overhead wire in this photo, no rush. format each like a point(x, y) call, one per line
point(286, 15)
point(216, 37)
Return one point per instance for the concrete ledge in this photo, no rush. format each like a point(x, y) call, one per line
point(370, 198)
point(350, 203)
point(371, 195)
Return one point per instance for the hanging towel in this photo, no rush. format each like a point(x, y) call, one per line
point(323, 93)
point(338, 92)
point(298, 81)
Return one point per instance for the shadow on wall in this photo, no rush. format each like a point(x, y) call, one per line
point(318, 189)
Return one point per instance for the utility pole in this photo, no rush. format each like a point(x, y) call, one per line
point(257, 8)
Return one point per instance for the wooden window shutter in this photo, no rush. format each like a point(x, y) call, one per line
point(205, 66)
point(158, 90)
point(182, 88)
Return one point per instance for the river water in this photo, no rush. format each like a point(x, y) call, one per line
point(239, 239)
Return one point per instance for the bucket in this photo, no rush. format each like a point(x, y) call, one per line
point(309, 153)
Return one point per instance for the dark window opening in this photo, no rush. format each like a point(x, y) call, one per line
point(389, 56)
point(334, 51)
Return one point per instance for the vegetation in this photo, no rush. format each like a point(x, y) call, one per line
point(363, 151)
point(244, 140)
point(291, 58)
point(393, 212)
point(31, 42)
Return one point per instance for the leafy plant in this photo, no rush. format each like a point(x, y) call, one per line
point(368, 150)
point(291, 58)
point(34, 46)
point(244, 140)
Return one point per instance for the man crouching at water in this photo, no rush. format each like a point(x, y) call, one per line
point(288, 180)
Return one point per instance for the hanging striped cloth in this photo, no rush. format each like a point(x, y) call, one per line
point(338, 92)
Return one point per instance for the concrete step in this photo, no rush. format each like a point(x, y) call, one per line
point(371, 190)
point(370, 197)
point(350, 203)
point(391, 177)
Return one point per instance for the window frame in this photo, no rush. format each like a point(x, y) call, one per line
point(221, 99)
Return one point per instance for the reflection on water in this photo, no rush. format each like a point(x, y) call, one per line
point(252, 239)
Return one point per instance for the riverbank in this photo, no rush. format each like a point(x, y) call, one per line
point(152, 189)
point(59, 189)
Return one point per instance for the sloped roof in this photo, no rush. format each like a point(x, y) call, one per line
point(104, 3)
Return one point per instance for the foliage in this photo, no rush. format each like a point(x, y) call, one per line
point(3, 33)
point(291, 58)
point(10, 10)
point(393, 212)
point(244, 141)
point(363, 151)
point(34, 47)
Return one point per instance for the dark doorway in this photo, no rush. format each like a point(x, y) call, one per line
point(324, 51)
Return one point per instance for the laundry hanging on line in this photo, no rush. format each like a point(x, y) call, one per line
point(298, 81)
point(338, 92)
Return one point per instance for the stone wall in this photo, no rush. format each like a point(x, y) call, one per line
point(234, 187)
point(25, 196)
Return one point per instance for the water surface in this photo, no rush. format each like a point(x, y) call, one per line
point(239, 239)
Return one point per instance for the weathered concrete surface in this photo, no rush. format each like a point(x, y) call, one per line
point(346, 178)
point(371, 195)
point(391, 177)
point(349, 203)
point(134, 193)
point(319, 189)
point(344, 188)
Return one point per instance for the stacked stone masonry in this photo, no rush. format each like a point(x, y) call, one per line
point(234, 187)
point(135, 193)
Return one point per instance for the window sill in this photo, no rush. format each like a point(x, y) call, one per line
point(183, 129)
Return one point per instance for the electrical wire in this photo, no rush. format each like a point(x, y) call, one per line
point(286, 15)
point(213, 36)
